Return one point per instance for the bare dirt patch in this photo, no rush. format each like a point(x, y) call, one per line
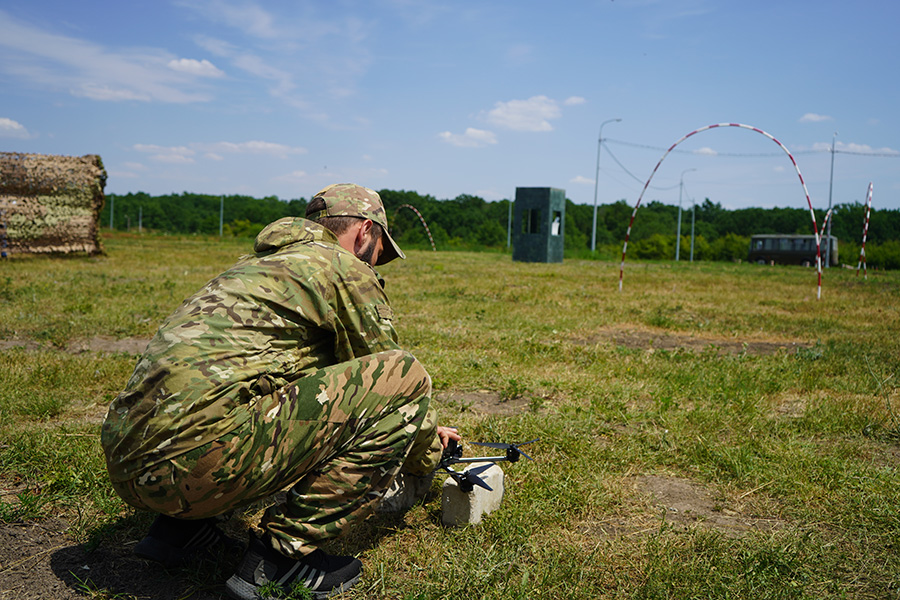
point(39, 561)
point(647, 339)
point(109, 345)
point(791, 405)
point(485, 402)
point(681, 505)
point(687, 504)
point(100, 343)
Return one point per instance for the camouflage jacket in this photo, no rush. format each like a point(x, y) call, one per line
point(299, 303)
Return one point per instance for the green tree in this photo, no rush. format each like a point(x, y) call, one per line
point(656, 247)
point(730, 247)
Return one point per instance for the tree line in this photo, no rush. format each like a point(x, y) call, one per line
point(470, 222)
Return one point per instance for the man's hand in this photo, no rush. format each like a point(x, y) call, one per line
point(446, 434)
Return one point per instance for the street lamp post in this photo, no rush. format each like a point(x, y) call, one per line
point(597, 181)
point(678, 234)
point(693, 215)
point(830, 186)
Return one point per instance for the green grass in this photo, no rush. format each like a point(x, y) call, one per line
point(664, 379)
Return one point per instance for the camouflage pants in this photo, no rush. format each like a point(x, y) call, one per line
point(336, 438)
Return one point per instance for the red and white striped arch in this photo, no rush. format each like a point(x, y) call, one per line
point(421, 218)
point(751, 128)
point(862, 251)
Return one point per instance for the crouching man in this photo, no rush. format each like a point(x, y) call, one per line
point(282, 373)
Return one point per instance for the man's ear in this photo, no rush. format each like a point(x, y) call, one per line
point(361, 235)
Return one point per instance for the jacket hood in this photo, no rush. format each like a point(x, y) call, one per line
point(290, 230)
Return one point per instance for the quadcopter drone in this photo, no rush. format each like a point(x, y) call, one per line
point(468, 479)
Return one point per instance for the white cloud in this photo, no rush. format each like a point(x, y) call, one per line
point(215, 46)
point(574, 101)
point(244, 16)
point(13, 129)
point(214, 151)
point(328, 57)
point(252, 147)
point(854, 148)
point(284, 81)
point(533, 114)
point(106, 93)
point(86, 69)
point(200, 68)
point(864, 149)
point(167, 154)
point(292, 177)
point(814, 118)
point(706, 151)
point(260, 68)
point(174, 159)
point(472, 138)
point(581, 180)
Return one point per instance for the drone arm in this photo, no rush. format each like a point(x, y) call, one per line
point(475, 459)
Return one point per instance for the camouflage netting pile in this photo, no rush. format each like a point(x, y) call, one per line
point(51, 204)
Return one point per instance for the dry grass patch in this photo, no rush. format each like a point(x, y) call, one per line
point(641, 338)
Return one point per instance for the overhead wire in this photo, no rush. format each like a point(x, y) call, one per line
point(633, 176)
point(605, 142)
point(757, 154)
point(681, 151)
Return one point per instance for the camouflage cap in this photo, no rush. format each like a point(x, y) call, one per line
point(351, 200)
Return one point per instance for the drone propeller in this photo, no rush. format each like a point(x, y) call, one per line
point(512, 450)
point(468, 479)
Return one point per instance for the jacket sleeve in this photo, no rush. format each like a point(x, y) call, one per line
point(364, 319)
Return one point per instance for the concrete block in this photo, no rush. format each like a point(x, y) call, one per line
point(405, 491)
point(466, 508)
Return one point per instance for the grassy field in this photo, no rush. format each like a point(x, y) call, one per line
point(712, 431)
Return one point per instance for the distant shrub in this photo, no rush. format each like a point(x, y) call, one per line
point(883, 256)
point(655, 247)
point(702, 248)
point(730, 247)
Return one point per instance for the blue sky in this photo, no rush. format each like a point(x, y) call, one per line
point(461, 97)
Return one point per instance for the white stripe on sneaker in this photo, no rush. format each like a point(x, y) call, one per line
point(290, 574)
point(205, 537)
point(321, 576)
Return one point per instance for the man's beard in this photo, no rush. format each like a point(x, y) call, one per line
point(366, 253)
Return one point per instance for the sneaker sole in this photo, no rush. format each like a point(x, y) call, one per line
point(241, 589)
point(170, 556)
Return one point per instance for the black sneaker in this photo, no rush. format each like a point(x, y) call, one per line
point(321, 573)
point(175, 542)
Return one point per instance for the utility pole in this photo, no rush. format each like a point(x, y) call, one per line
point(509, 225)
point(693, 215)
point(678, 234)
point(597, 182)
point(830, 187)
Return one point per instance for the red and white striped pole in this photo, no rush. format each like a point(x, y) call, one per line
point(421, 218)
point(757, 130)
point(862, 252)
